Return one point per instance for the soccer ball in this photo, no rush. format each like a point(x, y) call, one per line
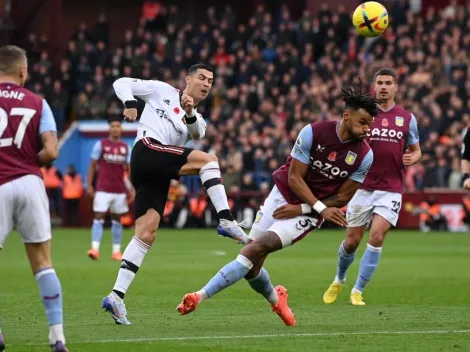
point(370, 19)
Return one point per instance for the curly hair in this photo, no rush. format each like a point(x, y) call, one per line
point(355, 99)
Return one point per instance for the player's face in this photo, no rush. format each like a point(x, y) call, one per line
point(115, 129)
point(385, 88)
point(357, 123)
point(200, 84)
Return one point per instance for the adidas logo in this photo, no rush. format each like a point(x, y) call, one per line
point(166, 101)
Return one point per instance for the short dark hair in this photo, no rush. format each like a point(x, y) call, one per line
point(114, 119)
point(386, 72)
point(196, 67)
point(10, 57)
point(355, 99)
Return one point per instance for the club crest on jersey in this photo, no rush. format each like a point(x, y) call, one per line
point(107, 149)
point(384, 122)
point(123, 150)
point(332, 156)
point(399, 121)
point(350, 158)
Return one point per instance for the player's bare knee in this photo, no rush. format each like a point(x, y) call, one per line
point(377, 238)
point(100, 216)
point(262, 246)
point(353, 239)
point(147, 225)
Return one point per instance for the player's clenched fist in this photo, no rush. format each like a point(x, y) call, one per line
point(130, 114)
point(334, 215)
point(187, 103)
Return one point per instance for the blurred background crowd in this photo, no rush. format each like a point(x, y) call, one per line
point(274, 74)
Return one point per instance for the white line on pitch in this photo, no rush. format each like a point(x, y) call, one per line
point(261, 336)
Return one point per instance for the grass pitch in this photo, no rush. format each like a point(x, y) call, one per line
point(418, 300)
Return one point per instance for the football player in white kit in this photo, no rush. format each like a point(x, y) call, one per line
point(158, 156)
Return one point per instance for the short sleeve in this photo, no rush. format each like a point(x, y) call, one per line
point(303, 145)
point(360, 174)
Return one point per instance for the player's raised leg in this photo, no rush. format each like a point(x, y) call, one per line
point(208, 168)
point(371, 257)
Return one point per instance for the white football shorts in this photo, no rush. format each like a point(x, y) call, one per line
point(116, 203)
point(365, 204)
point(289, 231)
point(24, 206)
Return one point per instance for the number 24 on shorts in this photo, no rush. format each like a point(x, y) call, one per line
point(396, 206)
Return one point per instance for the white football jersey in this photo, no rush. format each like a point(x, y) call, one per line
point(162, 118)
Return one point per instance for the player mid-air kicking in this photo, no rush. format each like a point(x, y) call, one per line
point(158, 156)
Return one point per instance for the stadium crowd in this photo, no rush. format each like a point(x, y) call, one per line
point(274, 74)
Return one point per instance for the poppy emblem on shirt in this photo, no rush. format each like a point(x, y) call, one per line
point(384, 123)
point(332, 156)
point(350, 158)
point(399, 121)
point(177, 110)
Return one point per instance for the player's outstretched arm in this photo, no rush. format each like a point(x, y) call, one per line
point(48, 133)
point(128, 88)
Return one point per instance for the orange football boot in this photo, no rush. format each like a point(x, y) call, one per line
point(188, 304)
point(94, 254)
point(117, 256)
point(281, 308)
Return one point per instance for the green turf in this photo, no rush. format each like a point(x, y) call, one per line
point(419, 299)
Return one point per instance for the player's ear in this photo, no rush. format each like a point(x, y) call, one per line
point(346, 115)
point(188, 80)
